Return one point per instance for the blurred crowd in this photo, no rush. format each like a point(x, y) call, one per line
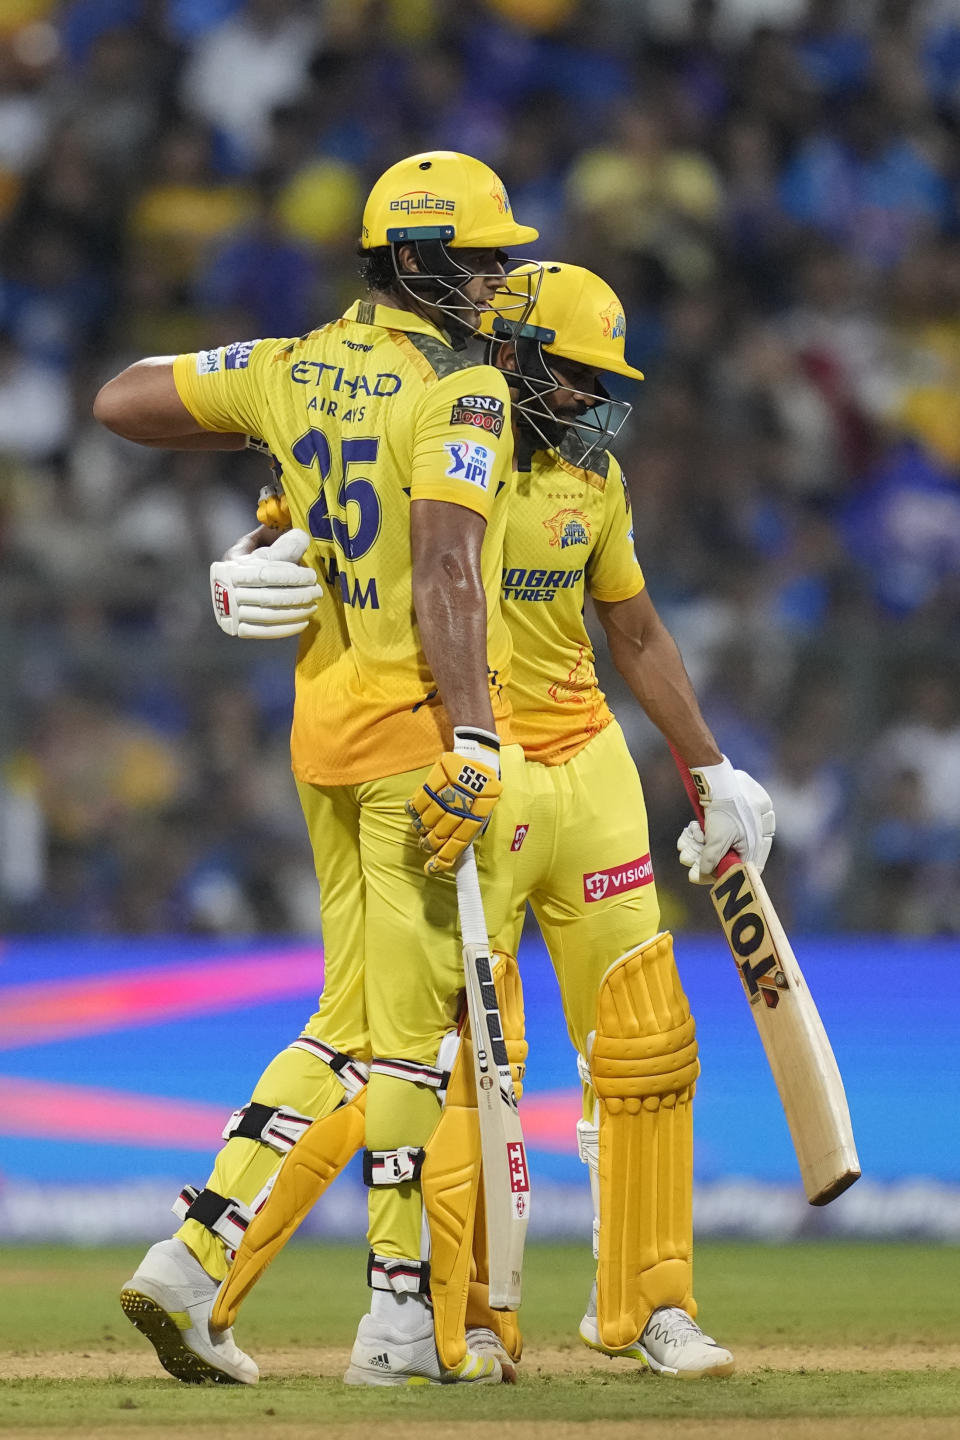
point(772, 187)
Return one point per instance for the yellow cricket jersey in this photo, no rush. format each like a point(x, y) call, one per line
point(570, 531)
point(364, 415)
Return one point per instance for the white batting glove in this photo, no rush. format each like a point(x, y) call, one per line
point(737, 815)
point(266, 595)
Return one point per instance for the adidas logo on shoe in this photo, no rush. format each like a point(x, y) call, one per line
point(382, 1360)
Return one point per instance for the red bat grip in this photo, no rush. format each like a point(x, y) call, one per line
point(731, 857)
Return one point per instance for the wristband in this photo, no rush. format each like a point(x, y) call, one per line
point(476, 744)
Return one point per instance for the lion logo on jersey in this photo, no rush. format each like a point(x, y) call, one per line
point(613, 321)
point(568, 527)
point(498, 193)
point(577, 688)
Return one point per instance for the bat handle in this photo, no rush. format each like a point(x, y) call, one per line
point(731, 857)
point(473, 924)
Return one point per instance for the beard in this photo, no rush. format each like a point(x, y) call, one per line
point(546, 428)
point(554, 429)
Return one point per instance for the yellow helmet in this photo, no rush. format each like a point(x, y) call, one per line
point(442, 195)
point(575, 315)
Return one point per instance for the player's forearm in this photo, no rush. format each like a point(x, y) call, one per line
point(142, 404)
point(451, 611)
point(446, 542)
point(647, 657)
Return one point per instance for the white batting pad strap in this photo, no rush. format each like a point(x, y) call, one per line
point(352, 1074)
point(227, 1218)
point(279, 1127)
point(446, 1058)
point(583, 1070)
point(262, 1196)
point(412, 1070)
point(393, 1167)
point(403, 1277)
point(588, 1143)
point(588, 1147)
point(184, 1200)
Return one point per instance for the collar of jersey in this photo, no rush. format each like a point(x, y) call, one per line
point(392, 319)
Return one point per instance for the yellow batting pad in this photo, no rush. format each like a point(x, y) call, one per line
point(644, 1068)
point(314, 1162)
point(506, 978)
point(452, 1198)
point(449, 1182)
point(503, 1323)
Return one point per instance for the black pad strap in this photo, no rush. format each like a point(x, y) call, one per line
point(403, 1277)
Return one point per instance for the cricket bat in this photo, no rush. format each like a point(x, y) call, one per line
point(506, 1179)
point(797, 1047)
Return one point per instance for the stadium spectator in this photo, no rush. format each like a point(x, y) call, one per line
point(769, 185)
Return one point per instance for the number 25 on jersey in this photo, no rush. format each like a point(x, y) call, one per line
point(359, 491)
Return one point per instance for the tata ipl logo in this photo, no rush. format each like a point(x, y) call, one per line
point(613, 322)
point(422, 202)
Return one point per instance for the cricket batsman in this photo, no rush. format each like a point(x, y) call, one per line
point(400, 691)
point(580, 853)
point(584, 853)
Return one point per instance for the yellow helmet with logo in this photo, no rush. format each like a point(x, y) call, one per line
point(572, 315)
point(575, 315)
point(442, 195)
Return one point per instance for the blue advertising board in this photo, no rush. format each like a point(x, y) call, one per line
point(121, 1059)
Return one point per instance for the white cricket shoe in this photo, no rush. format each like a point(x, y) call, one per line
point(169, 1299)
point(384, 1356)
point(671, 1344)
point(483, 1341)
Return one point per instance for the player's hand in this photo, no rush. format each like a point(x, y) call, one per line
point(454, 803)
point(737, 815)
point(272, 508)
point(266, 594)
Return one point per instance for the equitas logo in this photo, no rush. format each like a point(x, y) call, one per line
point(417, 202)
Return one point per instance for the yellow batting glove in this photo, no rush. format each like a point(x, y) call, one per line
point(272, 509)
point(454, 803)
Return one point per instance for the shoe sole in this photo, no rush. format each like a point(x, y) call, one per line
point(355, 1375)
point(638, 1354)
point(160, 1328)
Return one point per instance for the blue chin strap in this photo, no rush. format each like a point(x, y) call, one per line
point(409, 234)
point(504, 330)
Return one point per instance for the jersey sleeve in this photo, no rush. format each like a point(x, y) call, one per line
point(463, 443)
point(613, 571)
point(224, 388)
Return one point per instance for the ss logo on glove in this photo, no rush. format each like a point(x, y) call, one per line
point(472, 779)
point(451, 808)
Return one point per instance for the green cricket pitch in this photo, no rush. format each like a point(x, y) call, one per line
point(832, 1340)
